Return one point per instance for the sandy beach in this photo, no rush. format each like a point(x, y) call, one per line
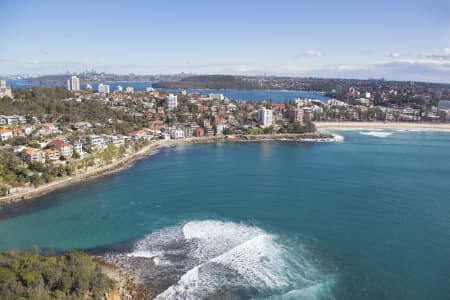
point(382, 125)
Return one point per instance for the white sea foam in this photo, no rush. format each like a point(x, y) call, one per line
point(338, 138)
point(380, 134)
point(212, 256)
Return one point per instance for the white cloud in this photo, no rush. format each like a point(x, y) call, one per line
point(393, 55)
point(419, 69)
point(312, 53)
point(443, 54)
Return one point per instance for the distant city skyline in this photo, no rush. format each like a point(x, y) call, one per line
point(340, 39)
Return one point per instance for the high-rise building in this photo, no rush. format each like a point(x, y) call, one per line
point(5, 91)
point(103, 88)
point(119, 88)
point(73, 83)
point(264, 117)
point(296, 115)
point(172, 101)
point(129, 89)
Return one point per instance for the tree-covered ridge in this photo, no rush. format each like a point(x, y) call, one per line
point(30, 275)
point(210, 82)
point(46, 104)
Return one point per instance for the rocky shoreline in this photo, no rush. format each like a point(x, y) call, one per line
point(151, 149)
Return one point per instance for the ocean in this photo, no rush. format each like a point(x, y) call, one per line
point(365, 218)
point(241, 95)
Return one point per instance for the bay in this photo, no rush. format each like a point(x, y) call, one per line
point(366, 218)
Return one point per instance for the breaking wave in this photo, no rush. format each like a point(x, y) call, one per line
point(338, 138)
point(216, 259)
point(380, 134)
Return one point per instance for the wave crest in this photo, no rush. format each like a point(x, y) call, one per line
point(216, 259)
point(380, 134)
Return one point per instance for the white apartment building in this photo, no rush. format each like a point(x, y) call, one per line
point(219, 129)
point(219, 97)
point(176, 134)
point(103, 88)
point(73, 83)
point(231, 107)
point(77, 146)
point(129, 89)
point(95, 142)
point(119, 88)
point(172, 101)
point(6, 134)
point(5, 91)
point(264, 117)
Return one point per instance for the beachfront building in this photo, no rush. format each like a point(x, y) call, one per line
point(198, 132)
point(5, 91)
point(264, 117)
point(219, 129)
point(444, 106)
point(296, 115)
point(187, 131)
point(176, 134)
point(129, 90)
point(103, 88)
point(73, 83)
point(119, 88)
point(172, 101)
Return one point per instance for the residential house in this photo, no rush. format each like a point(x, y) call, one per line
point(34, 155)
point(64, 147)
point(198, 132)
point(52, 154)
point(6, 134)
point(141, 134)
point(48, 129)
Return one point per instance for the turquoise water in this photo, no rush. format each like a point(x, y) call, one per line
point(367, 218)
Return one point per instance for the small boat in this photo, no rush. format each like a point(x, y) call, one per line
point(173, 146)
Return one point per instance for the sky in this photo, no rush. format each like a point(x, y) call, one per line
point(399, 40)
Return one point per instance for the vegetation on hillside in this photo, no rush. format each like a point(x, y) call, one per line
point(46, 104)
point(30, 275)
point(210, 82)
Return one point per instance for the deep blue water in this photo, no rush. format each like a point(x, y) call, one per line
point(367, 218)
point(242, 95)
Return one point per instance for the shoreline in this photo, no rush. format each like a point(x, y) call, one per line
point(382, 125)
point(149, 150)
point(71, 180)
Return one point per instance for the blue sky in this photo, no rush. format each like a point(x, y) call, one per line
point(407, 40)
